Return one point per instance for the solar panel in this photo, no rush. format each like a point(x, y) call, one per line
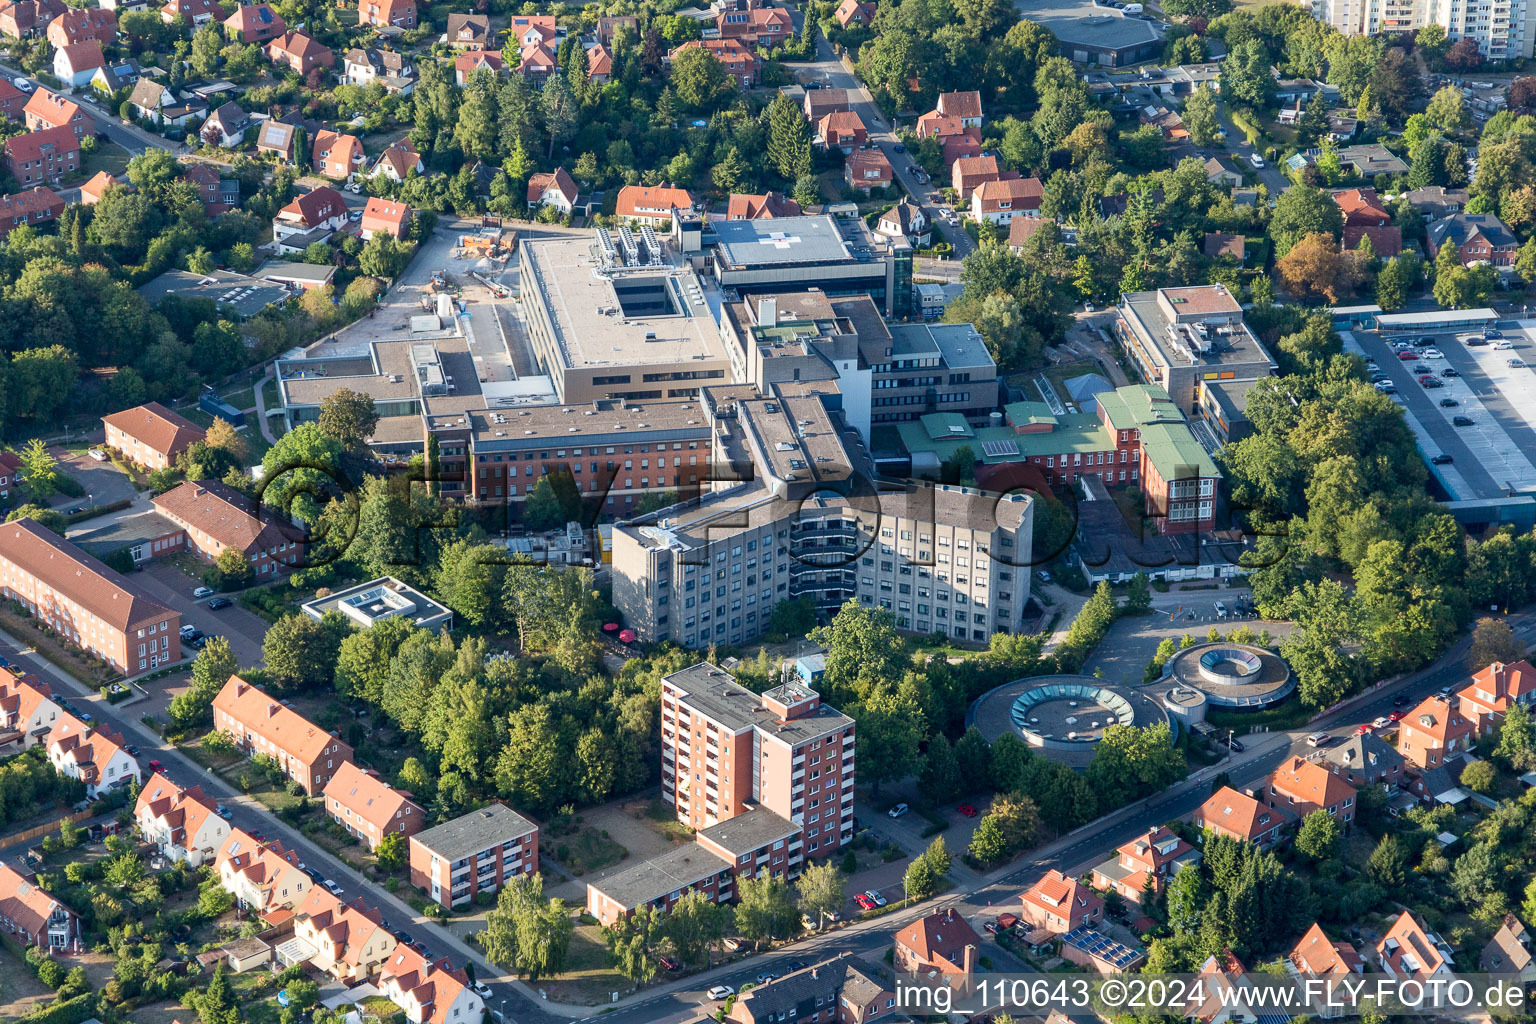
point(996, 449)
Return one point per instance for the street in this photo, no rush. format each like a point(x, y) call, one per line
point(1269, 174)
point(131, 137)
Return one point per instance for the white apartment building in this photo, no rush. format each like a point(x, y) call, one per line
point(1501, 28)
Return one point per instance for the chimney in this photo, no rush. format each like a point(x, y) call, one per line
point(968, 959)
point(768, 312)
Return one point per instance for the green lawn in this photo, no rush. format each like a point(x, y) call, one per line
point(241, 398)
point(108, 156)
point(589, 977)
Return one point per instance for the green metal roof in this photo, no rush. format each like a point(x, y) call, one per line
point(1075, 432)
point(943, 425)
point(1020, 413)
point(1137, 405)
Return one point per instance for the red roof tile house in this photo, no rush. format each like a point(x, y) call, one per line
point(49, 110)
point(337, 156)
point(964, 105)
point(864, 996)
point(300, 52)
point(536, 63)
point(322, 209)
point(739, 62)
point(842, 129)
point(35, 206)
point(555, 189)
point(934, 125)
point(1320, 956)
point(96, 757)
point(92, 191)
point(255, 24)
point(653, 204)
point(42, 158)
point(385, 217)
point(1492, 690)
point(1362, 207)
point(306, 753)
point(599, 64)
point(530, 29)
point(1239, 816)
point(470, 61)
point(262, 877)
point(34, 916)
point(969, 172)
point(386, 13)
point(763, 207)
point(27, 711)
point(1302, 786)
point(349, 940)
point(1157, 856)
point(217, 518)
point(999, 202)
point(868, 169)
point(757, 26)
point(852, 13)
point(429, 993)
point(1433, 733)
point(398, 161)
point(85, 602)
point(28, 17)
point(818, 103)
point(150, 435)
point(12, 101)
point(369, 808)
point(1059, 904)
point(183, 824)
point(191, 14)
point(1409, 950)
point(1387, 241)
point(943, 941)
point(77, 24)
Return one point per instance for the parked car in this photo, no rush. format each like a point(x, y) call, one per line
point(1400, 701)
point(669, 963)
point(330, 886)
point(133, 751)
point(219, 603)
point(156, 766)
point(1493, 332)
point(1256, 160)
point(1502, 346)
point(721, 992)
point(22, 84)
point(1448, 403)
point(864, 902)
point(1407, 357)
point(898, 810)
point(1476, 342)
point(967, 810)
point(1432, 353)
point(97, 454)
point(1450, 371)
point(1462, 421)
point(879, 900)
point(225, 812)
point(203, 592)
point(1381, 722)
point(482, 989)
point(1395, 716)
point(1362, 730)
point(1221, 609)
point(1318, 739)
point(766, 977)
point(1441, 459)
point(1430, 383)
point(1517, 364)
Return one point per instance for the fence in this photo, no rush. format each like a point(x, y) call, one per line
point(41, 830)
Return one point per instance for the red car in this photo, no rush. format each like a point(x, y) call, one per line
point(1363, 730)
point(1394, 716)
point(1407, 357)
point(864, 902)
point(156, 766)
point(967, 810)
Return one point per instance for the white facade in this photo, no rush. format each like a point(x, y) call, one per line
point(1501, 28)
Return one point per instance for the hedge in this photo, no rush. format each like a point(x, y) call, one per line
point(67, 1011)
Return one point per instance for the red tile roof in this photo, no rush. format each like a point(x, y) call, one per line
point(283, 727)
point(558, 179)
point(652, 201)
point(31, 146)
point(943, 933)
point(226, 515)
point(1238, 814)
point(368, 796)
point(156, 427)
point(314, 208)
point(960, 104)
point(22, 901)
point(1317, 954)
point(767, 205)
point(385, 215)
point(44, 555)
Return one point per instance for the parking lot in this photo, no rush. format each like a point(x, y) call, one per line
point(173, 588)
point(104, 483)
point(1487, 455)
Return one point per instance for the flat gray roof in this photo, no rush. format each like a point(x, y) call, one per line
point(959, 344)
point(474, 832)
point(750, 831)
point(285, 270)
point(1084, 23)
point(1227, 349)
point(102, 539)
point(752, 243)
point(712, 692)
point(247, 296)
point(653, 879)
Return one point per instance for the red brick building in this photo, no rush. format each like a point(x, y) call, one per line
point(476, 852)
point(368, 807)
point(49, 110)
point(36, 206)
point(150, 435)
point(217, 518)
point(42, 157)
point(260, 724)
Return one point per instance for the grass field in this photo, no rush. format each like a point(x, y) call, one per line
point(589, 977)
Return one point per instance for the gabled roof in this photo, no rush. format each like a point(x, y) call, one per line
point(1437, 718)
point(21, 697)
point(960, 104)
point(226, 515)
point(862, 160)
point(103, 592)
point(1019, 191)
point(32, 145)
point(1310, 784)
point(299, 45)
point(277, 136)
point(1407, 948)
point(401, 157)
point(434, 985)
point(385, 215)
point(1239, 814)
point(767, 205)
point(557, 179)
point(1463, 228)
point(942, 933)
point(22, 901)
point(1317, 954)
point(90, 749)
point(52, 108)
point(471, 27)
point(314, 208)
point(1055, 893)
point(29, 204)
point(1504, 682)
point(97, 186)
point(259, 18)
point(1022, 229)
point(599, 61)
point(368, 796)
point(155, 426)
point(1386, 239)
point(284, 727)
point(470, 61)
point(347, 926)
point(183, 811)
point(840, 123)
point(652, 200)
point(1507, 952)
point(1361, 202)
point(85, 55)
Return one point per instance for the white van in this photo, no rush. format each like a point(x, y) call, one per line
point(1132, 8)
point(1318, 739)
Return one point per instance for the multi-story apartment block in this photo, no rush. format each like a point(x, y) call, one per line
point(262, 877)
point(260, 724)
point(217, 518)
point(97, 757)
point(34, 916)
point(368, 807)
point(27, 711)
point(474, 853)
point(1501, 28)
point(944, 559)
point(85, 602)
point(42, 157)
point(150, 434)
point(182, 823)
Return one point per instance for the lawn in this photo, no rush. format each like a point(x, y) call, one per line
point(275, 797)
point(242, 398)
point(585, 849)
point(590, 978)
point(108, 156)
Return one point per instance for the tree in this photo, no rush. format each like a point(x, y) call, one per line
point(39, 470)
point(349, 418)
point(1319, 835)
point(1479, 776)
point(527, 931)
point(987, 843)
point(230, 571)
point(919, 882)
point(821, 891)
point(1385, 864)
point(1199, 116)
point(50, 519)
point(694, 924)
point(974, 754)
point(211, 669)
point(216, 1004)
point(1493, 640)
point(1300, 211)
point(1447, 110)
point(301, 652)
point(700, 80)
point(1018, 820)
point(1313, 266)
point(940, 780)
point(890, 730)
point(1393, 281)
point(1245, 76)
point(633, 940)
point(543, 509)
point(863, 649)
point(1186, 899)
point(789, 139)
point(1464, 55)
point(383, 257)
point(207, 43)
point(391, 852)
point(765, 909)
point(1517, 738)
point(793, 618)
point(1138, 596)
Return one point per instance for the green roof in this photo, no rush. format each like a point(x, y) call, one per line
point(1174, 452)
point(1137, 405)
point(1020, 413)
point(940, 426)
point(1075, 432)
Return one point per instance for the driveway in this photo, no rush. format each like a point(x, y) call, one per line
point(173, 588)
point(1269, 174)
point(104, 483)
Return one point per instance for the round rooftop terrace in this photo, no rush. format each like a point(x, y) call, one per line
point(1236, 677)
point(1063, 716)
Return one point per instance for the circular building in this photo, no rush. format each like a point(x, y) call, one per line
point(1186, 704)
point(1233, 677)
point(1063, 716)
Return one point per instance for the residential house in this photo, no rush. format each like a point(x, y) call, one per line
point(842, 129)
point(12, 101)
point(217, 518)
point(77, 24)
point(1001, 201)
point(226, 126)
point(300, 52)
point(868, 169)
point(855, 13)
point(77, 63)
point(256, 23)
point(34, 206)
point(218, 194)
point(1022, 229)
point(739, 62)
point(367, 807)
point(476, 852)
point(609, 25)
point(277, 138)
point(150, 435)
point(1220, 172)
point(429, 993)
point(1319, 956)
point(150, 98)
point(191, 14)
point(806, 996)
point(1371, 161)
point(942, 941)
point(1059, 904)
point(27, 710)
point(395, 70)
point(1221, 243)
point(864, 997)
point(310, 216)
point(85, 602)
point(27, 18)
point(599, 64)
point(536, 63)
point(1223, 995)
point(50, 110)
point(968, 172)
point(97, 757)
point(1367, 760)
point(1241, 817)
point(114, 75)
point(1362, 207)
point(818, 103)
point(1151, 859)
point(760, 207)
point(1386, 241)
point(337, 156)
point(42, 158)
point(263, 877)
point(904, 220)
point(555, 189)
point(1302, 786)
point(1409, 950)
point(387, 14)
point(964, 105)
point(259, 724)
point(934, 125)
point(398, 161)
point(755, 25)
point(533, 29)
point(471, 31)
point(467, 63)
point(183, 824)
point(10, 465)
point(1433, 732)
point(1484, 701)
point(348, 940)
point(653, 204)
point(385, 216)
point(33, 916)
point(1509, 951)
point(1436, 201)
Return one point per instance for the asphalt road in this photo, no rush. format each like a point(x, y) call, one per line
point(132, 138)
point(1269, 174)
